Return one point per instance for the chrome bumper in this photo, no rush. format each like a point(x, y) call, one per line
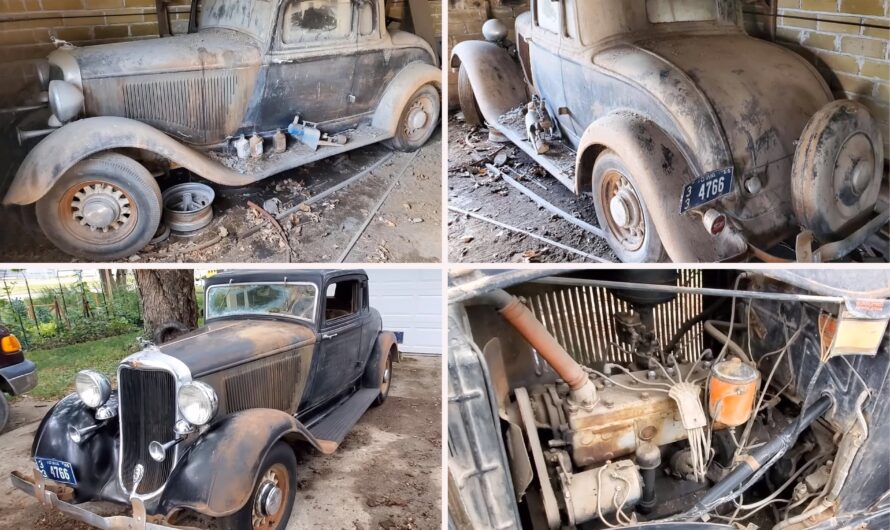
point(20, 377)
point(37, 488)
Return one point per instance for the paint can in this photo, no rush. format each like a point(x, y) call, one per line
point(733, 390)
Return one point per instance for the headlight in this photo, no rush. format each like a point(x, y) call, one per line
point(92, 387)
point(65, 100)
point(197, 402)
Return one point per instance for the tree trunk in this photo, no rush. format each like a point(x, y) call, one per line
point(167, 300)
point(120, 278)
point(107, 288)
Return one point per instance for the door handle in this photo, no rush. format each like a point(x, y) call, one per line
point(328, 336)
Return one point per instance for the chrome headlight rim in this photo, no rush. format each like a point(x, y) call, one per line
point(92, 387)
point(209, 404)
point(65, 100)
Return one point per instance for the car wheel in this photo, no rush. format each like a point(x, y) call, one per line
point(4, 411)
point(385, 382)
point(467, 98)
point(272, 499)
point(418, 120)
point(622, 212)
point(106, 207)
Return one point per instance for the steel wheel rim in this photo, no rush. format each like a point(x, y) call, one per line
point(630, 232)
point(276, 475)
point(419, 117)
point(98, 212)
point(387, 378)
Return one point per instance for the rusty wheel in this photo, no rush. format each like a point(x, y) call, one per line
point(385, 381)
point(272, 499)
point(418, 120)
point(622, 212)
point(103, 208)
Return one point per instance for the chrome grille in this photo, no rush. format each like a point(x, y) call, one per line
point(148, 413)
point(270, 383)
point(582, 318)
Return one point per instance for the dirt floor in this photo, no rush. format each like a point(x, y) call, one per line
point(385, 475)
point(406, 228)
point(470, 188)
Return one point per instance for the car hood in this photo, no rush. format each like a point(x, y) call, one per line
point(763, 94)
point(207, 50)
point(224, 343)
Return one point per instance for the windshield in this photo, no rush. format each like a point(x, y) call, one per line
point(295, 300)
point(250, 16)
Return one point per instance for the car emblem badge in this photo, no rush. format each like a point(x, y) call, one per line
point(138, 473)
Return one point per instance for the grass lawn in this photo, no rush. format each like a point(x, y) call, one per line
point(57, 367)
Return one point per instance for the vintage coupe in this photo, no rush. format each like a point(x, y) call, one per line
point(697, 141)
point(208, 423)
point(121, 113)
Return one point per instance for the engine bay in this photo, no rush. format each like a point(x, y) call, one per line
point(632, 407)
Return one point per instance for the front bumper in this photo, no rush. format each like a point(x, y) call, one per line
point(48, 496)
point(20, 377)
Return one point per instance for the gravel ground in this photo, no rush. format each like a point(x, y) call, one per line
point(385, 475)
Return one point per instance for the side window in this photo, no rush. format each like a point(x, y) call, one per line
point(342, 299)
point(308, 21)
point(547, 14)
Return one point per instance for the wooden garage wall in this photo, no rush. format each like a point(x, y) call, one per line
point(849, 42)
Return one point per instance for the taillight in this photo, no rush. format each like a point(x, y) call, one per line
point(10, 344)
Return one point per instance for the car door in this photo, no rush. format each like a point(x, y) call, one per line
point(340, 338)
point(311, 63)
point(547, 24)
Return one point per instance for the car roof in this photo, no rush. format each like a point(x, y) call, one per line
point(319, 276)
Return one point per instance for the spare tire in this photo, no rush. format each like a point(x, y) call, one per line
point(836, 175)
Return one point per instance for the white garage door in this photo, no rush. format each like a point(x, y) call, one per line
point(410, 302)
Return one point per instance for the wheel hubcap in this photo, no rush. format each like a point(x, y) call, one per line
point(268, 505)
point(855, 169)
point(624, 211)
point(101, 207)
point(418, 117)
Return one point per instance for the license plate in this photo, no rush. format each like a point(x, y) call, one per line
point(56, 470)
point(706, 188)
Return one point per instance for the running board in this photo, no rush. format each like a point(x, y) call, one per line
point(333, 428)
point(547, 160)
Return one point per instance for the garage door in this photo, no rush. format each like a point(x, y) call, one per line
point(411, 304)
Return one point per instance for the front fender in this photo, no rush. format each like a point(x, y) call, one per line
point(399, 92)
point(70, 144)
point(497, 79)
point(94, 460)
point(217, 474)
point(663, 170)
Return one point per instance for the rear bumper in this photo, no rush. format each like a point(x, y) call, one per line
point(20, 377)
point(49, 498)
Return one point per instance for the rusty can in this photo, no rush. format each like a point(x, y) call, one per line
point(733, 389)
point(256, 146)
point(279, 141)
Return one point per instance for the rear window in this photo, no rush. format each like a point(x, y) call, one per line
point(666, 11)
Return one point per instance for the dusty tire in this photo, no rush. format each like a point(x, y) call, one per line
point(627, 224)
point(836, 174)
point(385, 382)
point(279, 464)
point(104, 208)
point(418, 120)
point(4, 411)
point(467, 98)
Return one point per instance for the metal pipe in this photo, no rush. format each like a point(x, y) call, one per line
point(760, 457)
point(534, 332)
point(23, 136)
point(722, 338)
point(649, 460)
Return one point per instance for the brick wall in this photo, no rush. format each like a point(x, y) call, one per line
point(465, 19)
point(27, 27)
point(849, 42)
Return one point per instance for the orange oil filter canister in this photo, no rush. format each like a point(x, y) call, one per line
point(733, 389)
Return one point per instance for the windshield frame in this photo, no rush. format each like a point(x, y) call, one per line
point(288, 316)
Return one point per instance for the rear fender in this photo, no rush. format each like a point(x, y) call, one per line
point(497, 79)
point(217, 474)
point(70, 144)
point(649, 151)
point(385, 344)
point(94, 460)
point(399, 92)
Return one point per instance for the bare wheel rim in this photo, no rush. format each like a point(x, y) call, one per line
point(270, 501)
point(419, 118)
point(97, 212)
point(387, 378)
point(623, 210)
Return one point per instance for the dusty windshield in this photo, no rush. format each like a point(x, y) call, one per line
point(295, 300)
point(250, 16)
